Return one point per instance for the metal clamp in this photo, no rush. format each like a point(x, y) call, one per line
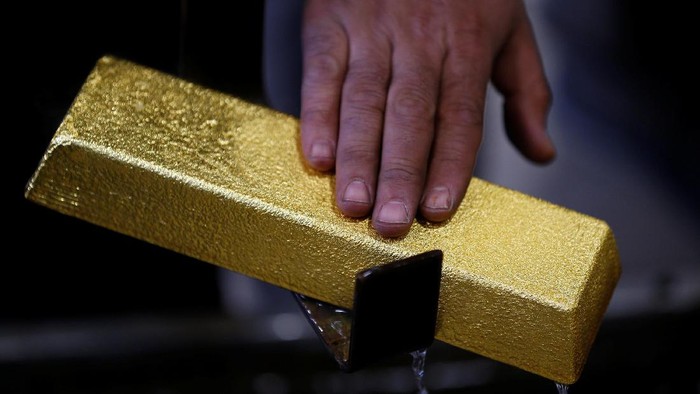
point(394, 311)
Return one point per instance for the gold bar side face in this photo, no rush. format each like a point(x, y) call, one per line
point(205, 174)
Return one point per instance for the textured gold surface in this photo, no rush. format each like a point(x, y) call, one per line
point(199, 172)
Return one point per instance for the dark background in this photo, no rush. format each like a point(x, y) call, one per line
point(86, 269)
point(86, 310)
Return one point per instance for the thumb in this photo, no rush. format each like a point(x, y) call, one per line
point(519, 75)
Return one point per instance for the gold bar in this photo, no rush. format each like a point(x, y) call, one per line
point(210, 176)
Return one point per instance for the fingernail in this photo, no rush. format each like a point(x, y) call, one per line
point(356, 191)
point(322, 150)
point(393, 211)
point(438, 198)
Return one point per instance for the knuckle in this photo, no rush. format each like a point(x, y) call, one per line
point(463, 113)
point(454, 157)
point(365, 95)
point(321, 38)
point(370, 71)
point(472, 31)
point(365, 85)
point(472, 42)
point(413, 103)
point(317, 116)
point(358, 155)
point(402, 171)
point(542, 92)
point(427, 20)
point(321, 46)
point(423, 26)
point(323, 67)
point(362, 121)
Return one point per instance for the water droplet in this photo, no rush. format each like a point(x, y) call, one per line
point(418, 366)
point(562, 388)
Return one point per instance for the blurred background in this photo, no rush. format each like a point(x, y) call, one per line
point(86, 310)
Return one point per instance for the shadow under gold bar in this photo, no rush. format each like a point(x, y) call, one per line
point(199, 172)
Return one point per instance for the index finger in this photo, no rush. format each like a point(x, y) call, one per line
point(324, 46)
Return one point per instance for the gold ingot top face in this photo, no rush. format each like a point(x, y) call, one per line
point(196, 171)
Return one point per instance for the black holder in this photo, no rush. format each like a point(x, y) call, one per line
point(394, 311)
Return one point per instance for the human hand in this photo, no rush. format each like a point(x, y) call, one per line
point(393, 98)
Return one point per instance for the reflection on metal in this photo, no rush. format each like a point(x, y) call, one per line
point(332, 324)
point(394, 311)
point(205, 174)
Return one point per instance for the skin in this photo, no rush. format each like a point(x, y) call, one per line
point(393, 98)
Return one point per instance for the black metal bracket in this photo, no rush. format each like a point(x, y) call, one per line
point(394, 311)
